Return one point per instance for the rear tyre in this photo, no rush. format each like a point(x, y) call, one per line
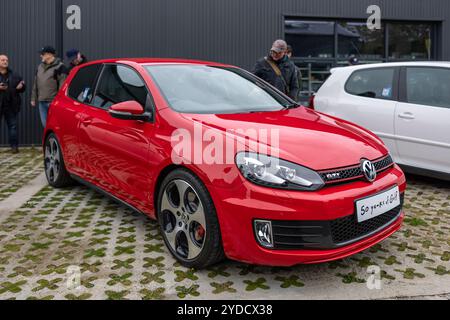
point(55, 169)
point(188, 220)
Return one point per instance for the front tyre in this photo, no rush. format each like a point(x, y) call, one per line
point(55, 169)
point(188, 220)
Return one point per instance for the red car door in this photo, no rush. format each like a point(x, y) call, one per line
point(73, 106)
point(116, 151)
point(91, 133)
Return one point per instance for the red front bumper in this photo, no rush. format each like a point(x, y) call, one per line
point(238, 208)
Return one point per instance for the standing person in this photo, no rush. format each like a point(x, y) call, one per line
point(11, 86)
point(290, 53)
point(353, 60)
point(278, 70)
point(49, 78)
point(76, 58)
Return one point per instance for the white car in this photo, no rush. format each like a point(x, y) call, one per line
point(407, 104)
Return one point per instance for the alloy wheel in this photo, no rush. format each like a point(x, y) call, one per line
point(183, 218)
point(52, 159)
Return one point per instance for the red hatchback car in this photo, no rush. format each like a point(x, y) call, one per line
point(228, 165)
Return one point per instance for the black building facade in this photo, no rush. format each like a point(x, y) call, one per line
point(323, 33)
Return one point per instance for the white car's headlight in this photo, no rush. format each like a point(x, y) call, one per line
point(276, 173)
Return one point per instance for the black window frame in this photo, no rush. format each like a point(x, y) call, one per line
point(395, 83)
point(149, 100)
point(436, 26)
point(403, 88)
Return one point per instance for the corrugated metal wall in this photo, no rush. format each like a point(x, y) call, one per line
point(230, 31)
point(25, 26)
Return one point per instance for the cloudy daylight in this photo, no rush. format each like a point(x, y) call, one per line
point(243, 152)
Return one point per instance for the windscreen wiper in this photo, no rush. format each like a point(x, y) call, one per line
point(292, 106)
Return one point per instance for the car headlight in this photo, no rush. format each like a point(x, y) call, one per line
point(277, 173)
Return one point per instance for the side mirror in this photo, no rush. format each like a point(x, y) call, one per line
point(129, 110)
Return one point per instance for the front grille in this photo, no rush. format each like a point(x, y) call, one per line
point(347, 229)
point(308, 235)
point(354, 172)
point(384, 163)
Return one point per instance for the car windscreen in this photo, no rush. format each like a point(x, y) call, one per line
point(201, 89)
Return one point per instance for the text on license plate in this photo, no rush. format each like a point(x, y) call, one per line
point(379, 204)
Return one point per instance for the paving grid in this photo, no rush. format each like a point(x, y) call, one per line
point(17, 169)
point(121, 255)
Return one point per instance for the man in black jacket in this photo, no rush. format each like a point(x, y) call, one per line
point(76, 58)
point(11, 86)
point(278, 70)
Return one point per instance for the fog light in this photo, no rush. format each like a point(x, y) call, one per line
point(263, 231)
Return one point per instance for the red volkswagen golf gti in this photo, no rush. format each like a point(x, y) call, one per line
point(228, 165)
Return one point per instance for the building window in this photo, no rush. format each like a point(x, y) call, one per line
point(354, 38)
point(410, 41)
point(319, 45)
point(340, 39)
point(313, 39)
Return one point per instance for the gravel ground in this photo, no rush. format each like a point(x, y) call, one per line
point(50, 239)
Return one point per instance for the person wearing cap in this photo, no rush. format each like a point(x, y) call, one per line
point(76, 58)
point(11, 86)
point(49, 78)
point(278, 70)
point(353, 60)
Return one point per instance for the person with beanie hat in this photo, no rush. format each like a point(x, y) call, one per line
point(76, 58)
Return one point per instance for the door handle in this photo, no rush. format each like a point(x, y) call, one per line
point(86, 121)
point(407, 115)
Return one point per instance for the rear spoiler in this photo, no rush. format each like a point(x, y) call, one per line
point(333, 70)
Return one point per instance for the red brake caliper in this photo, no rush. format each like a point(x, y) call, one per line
point(199, 233)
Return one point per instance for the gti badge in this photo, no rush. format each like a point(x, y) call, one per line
point(369, 170)
point(333, 176)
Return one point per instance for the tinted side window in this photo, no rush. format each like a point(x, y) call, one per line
point(83, 84)
point(119, 84)
point(428, 86)
point(372, 83)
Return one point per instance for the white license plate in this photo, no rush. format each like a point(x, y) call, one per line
point(376, 205)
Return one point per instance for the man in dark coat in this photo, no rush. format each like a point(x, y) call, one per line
point(278, 70)
point(290, 54)
point(11, 86)
point(76, 58)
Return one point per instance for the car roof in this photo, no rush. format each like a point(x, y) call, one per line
point(158, 61)
point(395, 64)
